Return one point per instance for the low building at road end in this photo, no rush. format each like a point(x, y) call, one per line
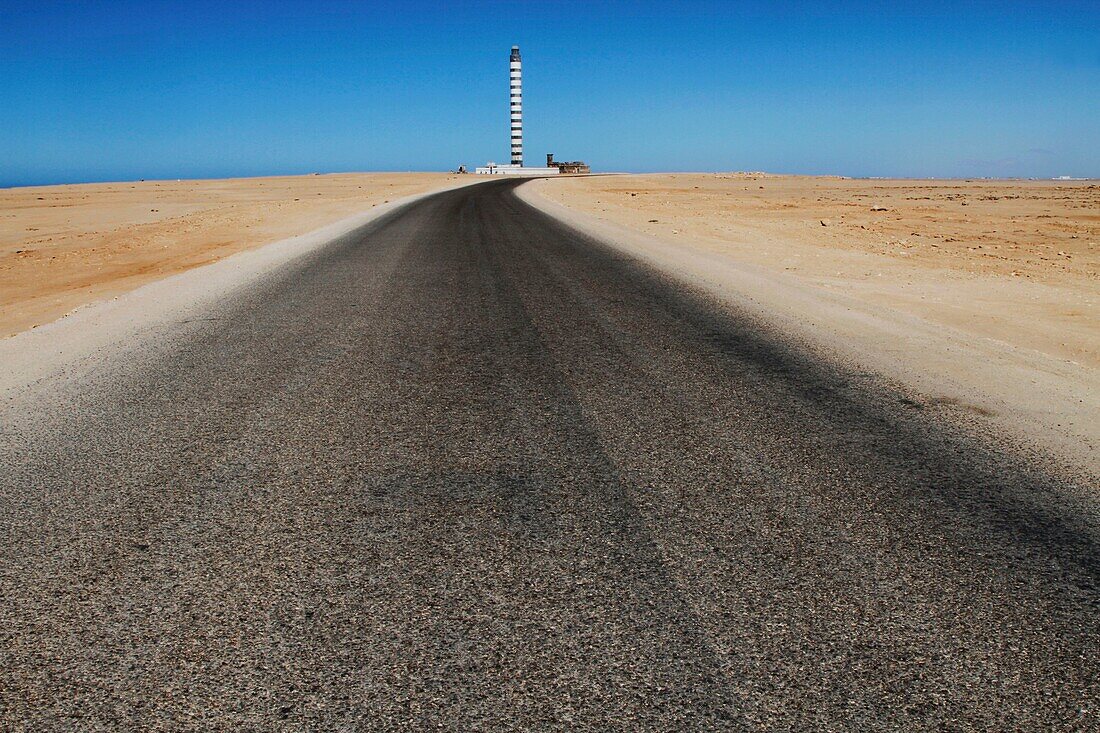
point(553, 168)
point(492, 169)
point(572, 166)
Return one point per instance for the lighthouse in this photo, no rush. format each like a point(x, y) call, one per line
point(515, 128)
point(515, 103)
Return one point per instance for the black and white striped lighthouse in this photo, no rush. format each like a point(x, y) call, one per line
point(515, 91)
point(515, 138)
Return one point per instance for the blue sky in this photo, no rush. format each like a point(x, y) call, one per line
point(124, 90)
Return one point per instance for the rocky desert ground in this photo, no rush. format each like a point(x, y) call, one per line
point(65, 246)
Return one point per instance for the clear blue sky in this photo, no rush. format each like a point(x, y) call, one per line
point(122, 90)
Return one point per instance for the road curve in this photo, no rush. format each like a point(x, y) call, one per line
point(467, 469)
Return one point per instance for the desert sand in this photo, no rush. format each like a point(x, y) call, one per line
point(983, 295)
point(62, 247)
point(940, 248)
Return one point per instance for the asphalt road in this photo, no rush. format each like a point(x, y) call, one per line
point(465, 469)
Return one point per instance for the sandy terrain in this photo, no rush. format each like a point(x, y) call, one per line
point(62, 247)
point(978, 293)
point(946, 249)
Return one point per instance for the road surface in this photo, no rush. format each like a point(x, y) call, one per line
point(465, 469)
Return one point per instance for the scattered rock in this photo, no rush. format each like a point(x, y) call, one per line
point(826, 222)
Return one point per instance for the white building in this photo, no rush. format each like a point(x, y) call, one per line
point(492, 169)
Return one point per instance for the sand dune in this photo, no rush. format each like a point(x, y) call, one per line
point(65, 246)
